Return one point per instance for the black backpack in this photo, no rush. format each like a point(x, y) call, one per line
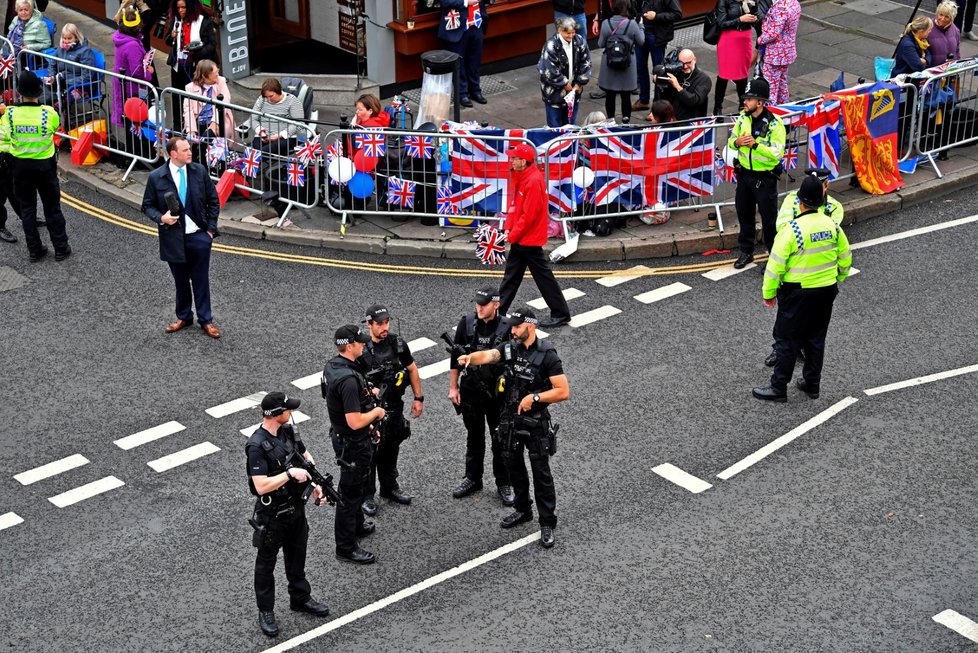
point(618, 49)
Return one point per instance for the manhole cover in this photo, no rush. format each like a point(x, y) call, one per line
point(11, 280)
point(491, 85)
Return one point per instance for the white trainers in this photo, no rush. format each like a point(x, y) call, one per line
point(971, 36)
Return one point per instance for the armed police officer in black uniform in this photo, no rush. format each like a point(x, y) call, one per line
point(475, 396)
point(352, 414)
point(280, 518)
point(534, 379)
point(387, 363)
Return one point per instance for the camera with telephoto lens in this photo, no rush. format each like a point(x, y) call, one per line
point(671, 68)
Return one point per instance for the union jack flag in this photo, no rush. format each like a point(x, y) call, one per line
point(643, 169)
point(296, 174)
point(794, 115)
point(475, 17)
point(790, 158)
point(372, 142)
point(490, 246)
point(217, 151)
point(400, 192)
point(725, 174)
point(309, 151)
point(419, 147)
point(452, 20)
point(824, 144)
point(7, 66)
point(250, 162)
point(334, 150)
point(445, 202)
point(480, 170)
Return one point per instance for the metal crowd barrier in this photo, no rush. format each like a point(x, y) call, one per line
point(946, 110)
point(88, 105)
point(263, 149)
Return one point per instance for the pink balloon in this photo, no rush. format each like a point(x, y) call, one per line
point(364, 163)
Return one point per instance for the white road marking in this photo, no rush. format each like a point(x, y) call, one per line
point(86, 491)
point(307, 382)
point(958, 623)
point(183, 456)
point(920, 380)
point(914, 232)
point(618, 279)
point(570, 293)
point(794, 433)
point(10, 519)
point(297, 415)
point(853, 272)
point(722, 273)
point(420, 344)
point(683, 479)
point(402, 594)
point(594, 315)
point(155, 433)
point(662, 293)
point(435, 369)
point(236, 405)
point(542, 334)
point(51, 469)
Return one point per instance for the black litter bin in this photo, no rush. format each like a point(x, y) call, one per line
point(436, 63)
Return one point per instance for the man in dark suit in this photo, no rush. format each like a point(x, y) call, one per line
point(185, 236)
point(463, 24)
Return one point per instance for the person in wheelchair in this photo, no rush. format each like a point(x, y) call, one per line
point(73, 82)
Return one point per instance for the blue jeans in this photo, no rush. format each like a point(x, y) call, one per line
point(557, 116)
point(642, 53)
point(580, 19)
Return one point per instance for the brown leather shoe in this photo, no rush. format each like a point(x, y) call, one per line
point(176, 326)
point(211, 330)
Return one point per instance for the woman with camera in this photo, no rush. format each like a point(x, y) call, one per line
point(192, 38)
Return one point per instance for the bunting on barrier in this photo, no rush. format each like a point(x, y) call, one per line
point(824, 144)
point(418, 147)
point(217, 151)
point(372, 142)
point(871, 114)
point(250, 162)
point(446, 203)
point(296, 174)
point(7, 66)
point(400, 192)
point(309, 151)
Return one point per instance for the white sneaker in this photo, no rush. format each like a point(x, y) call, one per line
point(589, 233)
point(971, 36)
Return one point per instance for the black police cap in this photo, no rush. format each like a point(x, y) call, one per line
point(377, 313)
point(349, 334)
point(522, 316)
point(810, 192)
point(485, 295)
point(758, 88)
point(822, 174)
point(276, 403)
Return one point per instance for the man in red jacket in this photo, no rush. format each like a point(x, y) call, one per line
point(526, 232)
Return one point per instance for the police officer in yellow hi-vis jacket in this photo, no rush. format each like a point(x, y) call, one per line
point(809, 259)
point(758, 137)
point(31, 127)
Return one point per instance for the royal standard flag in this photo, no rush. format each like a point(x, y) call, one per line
point(870, 113)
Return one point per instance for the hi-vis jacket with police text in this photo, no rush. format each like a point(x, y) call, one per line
point(790, 209)
point(811, 250)
point(31, 129)
point(770, 134)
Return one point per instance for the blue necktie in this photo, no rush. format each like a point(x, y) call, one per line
point(183, 186)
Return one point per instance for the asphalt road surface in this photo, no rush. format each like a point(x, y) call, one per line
point(852, 535)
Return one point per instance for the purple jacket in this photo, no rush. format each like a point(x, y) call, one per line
point(129, 53)
point(945, 44)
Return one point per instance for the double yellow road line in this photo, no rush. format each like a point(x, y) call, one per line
point(385, 268)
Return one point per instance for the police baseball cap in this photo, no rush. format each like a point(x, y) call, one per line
point(276, 403)
point(822, 174)
point(523, 151)
point(349, 334)
point(522, 316)
point(810, 192)
point(758, 88)
point(377, 313)
point(485, 295)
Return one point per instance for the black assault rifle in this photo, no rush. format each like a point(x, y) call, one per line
point(325, 482)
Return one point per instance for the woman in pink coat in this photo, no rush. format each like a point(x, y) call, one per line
point(776, 46)
point(200, 118)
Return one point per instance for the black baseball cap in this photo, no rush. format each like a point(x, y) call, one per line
point(522, 316)
point(377, 313)
point(349, 334)
point(276, 403)
point(485, 295)
point(822, 174)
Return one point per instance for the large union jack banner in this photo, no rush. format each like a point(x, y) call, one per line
point(641, 169)
point(480, 179)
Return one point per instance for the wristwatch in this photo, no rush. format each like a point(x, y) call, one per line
point(536, 397)
point(419, 398)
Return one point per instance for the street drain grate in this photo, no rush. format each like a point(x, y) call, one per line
point(491, 85)
point(11, 280)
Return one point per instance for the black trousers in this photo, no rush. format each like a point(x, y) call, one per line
point(476, 415)
point(7, 190)
point(384, 464)
point(353, 482)
point(965, 20)
point(33, 177)
point(760, 193)
point(522, 257)
point(543, 481)
point(289, 534)
point(802, 323)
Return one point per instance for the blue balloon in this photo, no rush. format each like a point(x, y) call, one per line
point(361, 185)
